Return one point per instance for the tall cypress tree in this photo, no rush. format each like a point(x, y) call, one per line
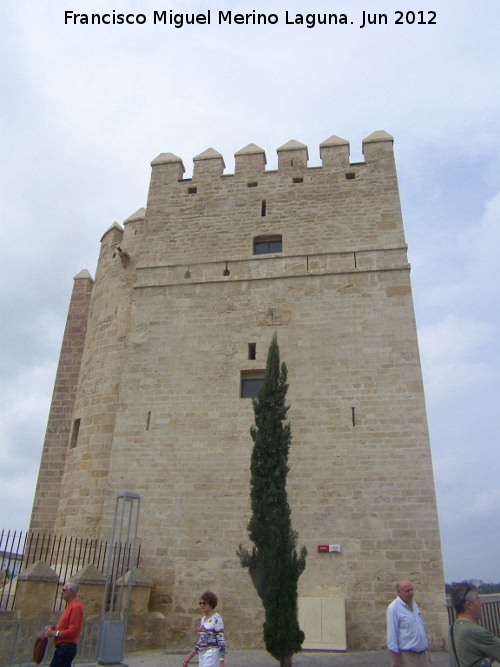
point(273, 563)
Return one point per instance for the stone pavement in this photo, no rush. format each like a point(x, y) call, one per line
point(263, 659)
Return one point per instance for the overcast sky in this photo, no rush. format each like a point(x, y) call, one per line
point(86, 108)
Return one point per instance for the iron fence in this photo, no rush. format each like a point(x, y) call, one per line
point(17, 641)
point(65, 555)
point(490, 616)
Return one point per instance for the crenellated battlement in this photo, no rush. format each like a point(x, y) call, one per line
point(337, 206)
point(293, 158)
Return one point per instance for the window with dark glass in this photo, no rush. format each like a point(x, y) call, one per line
point(251, 382)
point(265, 245)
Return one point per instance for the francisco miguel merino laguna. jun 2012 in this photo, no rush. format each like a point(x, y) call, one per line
point(221, 17)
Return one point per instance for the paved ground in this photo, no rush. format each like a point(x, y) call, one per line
point(263, 659)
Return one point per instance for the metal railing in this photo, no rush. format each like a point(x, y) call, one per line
point(65, 555)
point(490, 616)
point(17, 641)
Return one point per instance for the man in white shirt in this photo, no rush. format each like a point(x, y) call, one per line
point(406, 638)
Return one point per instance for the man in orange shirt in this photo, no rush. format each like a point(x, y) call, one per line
point(68, 627)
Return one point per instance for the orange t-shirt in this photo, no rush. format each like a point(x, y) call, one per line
point(70, 623)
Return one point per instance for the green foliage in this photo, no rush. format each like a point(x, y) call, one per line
point(273, 563)
point(488, 588)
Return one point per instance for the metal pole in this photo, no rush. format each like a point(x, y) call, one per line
point(113, 624)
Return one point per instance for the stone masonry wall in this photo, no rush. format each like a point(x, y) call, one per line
point(57, 436)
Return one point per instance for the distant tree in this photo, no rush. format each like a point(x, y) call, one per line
point(483, 589)
point(488, 588)
point(273, 563)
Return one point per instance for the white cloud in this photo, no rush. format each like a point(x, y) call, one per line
point(479, 243)
point(86, 109)
point(23, 417)
point(451, 352)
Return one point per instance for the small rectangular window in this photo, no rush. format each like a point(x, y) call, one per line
point(265, 245)
point(250, 387)
point(251, 382)
point(298, 179)
point(252, 184)
point(192, 190)
point(350, 175)
point(252, 350)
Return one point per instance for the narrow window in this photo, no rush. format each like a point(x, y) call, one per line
point(265, 245)
point(251, 382)
point(350, 175)
point(263, 208)
point(148, 420)
point(252, 350)
point(298, 179)
point(252, 184)
point(74, 434)
point(353, 416)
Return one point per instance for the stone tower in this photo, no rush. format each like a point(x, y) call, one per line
point(187, 296)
